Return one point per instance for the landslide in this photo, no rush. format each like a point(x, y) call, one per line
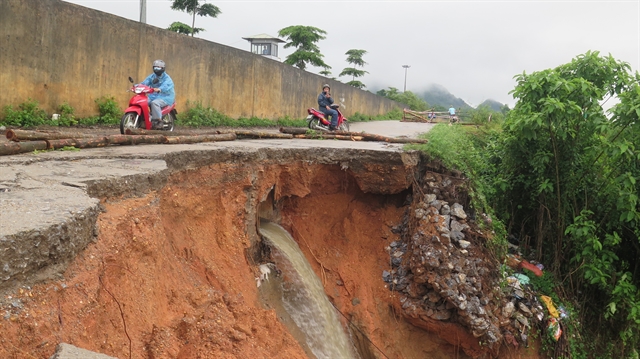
point(172, 274)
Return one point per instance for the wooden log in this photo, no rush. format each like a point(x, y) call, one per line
point(135, 139)
point(91, 142)
point(297, 130)
point(200, 138)
point(329, 137)
point(24, 135)
point(259, 134)
point(365, 136)
point(13, 148)
point(129, 131)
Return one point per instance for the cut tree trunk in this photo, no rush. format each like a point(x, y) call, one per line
point(78, 143)
point(200, 138)
point(24, 135)
point(135, 139)
point(329, 137)
point(129, 131)
point(259, 134)
point(365, 136)
point(13, 148)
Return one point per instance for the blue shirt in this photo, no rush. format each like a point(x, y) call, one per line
point(165, 84)
point(324, 101)
point(452, 111)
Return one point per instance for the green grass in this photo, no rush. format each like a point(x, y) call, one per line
point(29, 114)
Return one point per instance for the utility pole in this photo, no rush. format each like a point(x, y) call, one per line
point(143, 11)
point(406, 67)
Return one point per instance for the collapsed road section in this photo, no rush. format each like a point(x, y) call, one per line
point(155, 253)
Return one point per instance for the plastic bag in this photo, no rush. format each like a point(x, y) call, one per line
point(522, 278)
point(548, 302)
point(554, 329)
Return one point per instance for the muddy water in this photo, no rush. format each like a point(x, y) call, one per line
point(304, 299)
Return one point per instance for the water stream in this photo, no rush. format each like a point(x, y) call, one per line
point(304, 299)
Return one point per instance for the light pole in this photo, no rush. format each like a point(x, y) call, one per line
point(143, 11)
point(406, 67)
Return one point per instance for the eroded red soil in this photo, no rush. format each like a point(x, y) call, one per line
point(174, 266)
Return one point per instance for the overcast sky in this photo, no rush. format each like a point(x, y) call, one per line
point(473, 47)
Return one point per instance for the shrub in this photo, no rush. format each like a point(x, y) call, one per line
point(28, 114)
point(109, 110)
point(67, 117)
point(198, 115)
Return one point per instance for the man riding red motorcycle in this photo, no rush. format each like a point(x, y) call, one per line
point(163, 91)
point(324, 102)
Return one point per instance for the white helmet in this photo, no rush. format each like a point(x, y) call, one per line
point(158, 67)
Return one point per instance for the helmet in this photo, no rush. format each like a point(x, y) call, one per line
point(158, 67)
point(325, 86)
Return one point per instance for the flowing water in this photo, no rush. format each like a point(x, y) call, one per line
point(304, 299)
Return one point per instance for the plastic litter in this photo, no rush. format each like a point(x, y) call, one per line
point(563, 312)
point(513, 261)
point(522, 278)
point(531, 267)
point(513, 282)
point(554, 329)
point(548, 302)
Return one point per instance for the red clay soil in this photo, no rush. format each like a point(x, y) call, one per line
point(173, 267)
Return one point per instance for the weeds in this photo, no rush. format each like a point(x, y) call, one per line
point(67, 117)
point(28, 114)
point(198, 115)
point(109, 111)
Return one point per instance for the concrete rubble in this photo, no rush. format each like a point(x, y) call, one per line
point(68, 351)
point(440, 279)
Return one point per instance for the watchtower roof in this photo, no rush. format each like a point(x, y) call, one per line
point(263, 37)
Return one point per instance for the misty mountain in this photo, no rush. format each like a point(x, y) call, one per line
point(492, 104)
point(438, 95)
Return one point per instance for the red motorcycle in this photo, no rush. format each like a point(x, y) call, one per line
point(317, 120)
point(137, 114)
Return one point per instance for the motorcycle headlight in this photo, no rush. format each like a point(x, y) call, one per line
point(138, 90)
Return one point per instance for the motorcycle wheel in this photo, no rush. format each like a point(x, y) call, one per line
point(168, 122)
point(344, 126)
point(129, 120)
point(314, 124)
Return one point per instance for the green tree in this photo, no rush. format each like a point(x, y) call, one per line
point(304, 39)
point(194, 8)
point(182, 28)
point(568, 180)
point(408, 98)
point(354, 57)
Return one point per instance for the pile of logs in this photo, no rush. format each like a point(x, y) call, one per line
point(21, 141)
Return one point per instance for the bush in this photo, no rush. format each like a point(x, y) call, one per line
point(28, 114)
point(197, 115)
point(67, 117)
point(109, 110)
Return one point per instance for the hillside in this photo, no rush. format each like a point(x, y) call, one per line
point(438, 95)
point(492, 104)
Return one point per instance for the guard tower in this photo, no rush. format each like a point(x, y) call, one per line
point(265, 45)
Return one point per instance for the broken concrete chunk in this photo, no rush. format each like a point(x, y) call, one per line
point(430, 197)
point(457, 226)
point(68, 351)
point(458, 211)
point(457, 236)
point(508, 310)
point(464, 244)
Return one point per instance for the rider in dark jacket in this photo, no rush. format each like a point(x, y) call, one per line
point(324, 102)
